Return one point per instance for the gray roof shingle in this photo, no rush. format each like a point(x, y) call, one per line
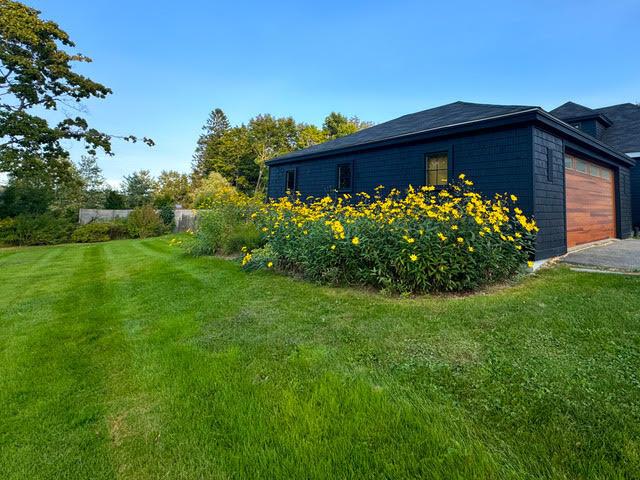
point(624, 134)
point(571, 110)
point(433, 118)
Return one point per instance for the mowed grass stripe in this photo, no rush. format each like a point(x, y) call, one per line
point(57, 427)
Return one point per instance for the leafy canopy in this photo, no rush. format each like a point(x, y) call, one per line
point(239, 154)
point(36, 74)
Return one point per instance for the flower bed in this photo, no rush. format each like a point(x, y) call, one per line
point(423, 241)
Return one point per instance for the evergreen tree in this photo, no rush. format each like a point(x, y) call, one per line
point(138, 188)
point(217, 124)
point(93, 182)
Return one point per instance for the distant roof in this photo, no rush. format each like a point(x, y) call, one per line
point(574, 111)
point(571, 110)
point(433, 118)
point(624, 133)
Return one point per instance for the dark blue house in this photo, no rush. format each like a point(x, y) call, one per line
point(571, 168)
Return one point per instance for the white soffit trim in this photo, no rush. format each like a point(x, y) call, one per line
point(633, 154)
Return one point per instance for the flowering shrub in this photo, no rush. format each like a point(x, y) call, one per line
point(426, 240)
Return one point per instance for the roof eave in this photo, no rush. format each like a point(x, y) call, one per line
point(598, 116)
point(489, 122)
point(584, 138)
point(526, 116)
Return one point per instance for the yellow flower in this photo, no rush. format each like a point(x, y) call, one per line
point(471, 249)
point(460, 240)
point(246, 259)
point(413, 257)
point(514, 198)
point(355, 240)
point(454, 227)
point(270, 264)
point(441, 236)
point(461, 176)
point(333, 247)
point(530, 264)
point(409, 239)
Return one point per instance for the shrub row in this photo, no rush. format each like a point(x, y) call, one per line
point(51, 229)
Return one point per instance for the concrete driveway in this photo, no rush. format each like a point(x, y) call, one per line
point(617, 255)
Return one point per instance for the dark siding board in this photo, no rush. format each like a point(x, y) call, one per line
point(498, 162)
point(635, 194)
point(549, 194)
point(624, 213)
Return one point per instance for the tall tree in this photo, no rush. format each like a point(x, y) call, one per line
point(270, 137)
point(114, 200)
point(93, 181)
point(337, 125)
point(36, 74)
point(217, 124)
point(173, 187)
point(232, 157)
point(138, 188)
point(309, 135)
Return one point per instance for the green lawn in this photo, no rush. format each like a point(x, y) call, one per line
point(130, 360)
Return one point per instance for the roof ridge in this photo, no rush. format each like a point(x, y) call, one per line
point(619, 105)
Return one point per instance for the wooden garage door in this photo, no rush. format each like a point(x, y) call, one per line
point(591, 212)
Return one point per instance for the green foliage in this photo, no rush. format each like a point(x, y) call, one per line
point(22, 196)
point(91, 232)
point(241, 235)
point(44, 229)
point(138, 188)
point(337, 125)
point(225, 227)
point(166, 212)
point(239, 153)
point(217, 123)
point(145, 222)
point(92, 182)
point(174, 188)
point(100, 232)
point(114, 200)
point(212, 187)
point(208, 237)
point(36, 74)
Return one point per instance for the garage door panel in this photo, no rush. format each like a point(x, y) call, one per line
point(590, 203)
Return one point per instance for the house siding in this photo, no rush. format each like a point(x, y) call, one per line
point(549, 194)
point(635, 194)
point(624, 211)
point(497, 161)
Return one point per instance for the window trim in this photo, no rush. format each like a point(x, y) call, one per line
point(286, 180)
point(425, 161)
point(350, 188)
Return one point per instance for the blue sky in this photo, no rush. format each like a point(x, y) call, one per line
point(170, 63)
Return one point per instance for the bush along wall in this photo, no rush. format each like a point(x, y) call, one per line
point(50, 229)
point(424, 240)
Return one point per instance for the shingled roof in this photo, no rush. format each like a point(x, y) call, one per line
point(624, 133)
point(431, 119)
point(572, 110)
